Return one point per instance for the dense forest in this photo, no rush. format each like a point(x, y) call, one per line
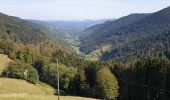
point(148, 77)
point(134, 36)
point(141, 68)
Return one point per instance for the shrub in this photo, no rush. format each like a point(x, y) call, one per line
point(21, 70)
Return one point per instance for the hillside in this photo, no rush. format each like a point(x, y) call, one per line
point(50, 29)
point(24, 40)
point(13, 89)
point(29, 33)
point(108, 27)
point(20, 31)
point(145, 36)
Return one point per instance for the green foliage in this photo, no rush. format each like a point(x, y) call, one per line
point(19, 30)
point(20, 70)
point(66, 75)
point(48, 74)
point(6, 46)
point(107, 84)
point(93, 36)
point(152, 72)
point(147, 78)
point(131, 37)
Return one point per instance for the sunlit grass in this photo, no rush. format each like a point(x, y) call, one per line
point(41, 97)
point(4, 61)
point(13, 89)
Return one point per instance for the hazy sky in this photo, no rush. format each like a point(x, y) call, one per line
point(78, 9)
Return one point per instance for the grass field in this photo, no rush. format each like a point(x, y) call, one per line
point(4, 61)
point(41, 97)
point(14, 89)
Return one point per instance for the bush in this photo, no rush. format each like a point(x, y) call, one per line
point(20, 70)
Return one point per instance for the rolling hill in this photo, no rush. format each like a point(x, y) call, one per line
point(148, 35)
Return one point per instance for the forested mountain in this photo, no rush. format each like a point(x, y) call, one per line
point(60, 35)
point(20, 31)
point(146, 36)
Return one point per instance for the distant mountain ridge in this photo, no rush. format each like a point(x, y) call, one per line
point(105, 27)
point(77, 25)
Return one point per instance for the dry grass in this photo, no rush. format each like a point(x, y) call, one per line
point(4, 61)
point(41, 97)
point(15, 86)
point(13, 89)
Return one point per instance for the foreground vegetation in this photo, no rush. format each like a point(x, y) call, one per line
point(13, 89)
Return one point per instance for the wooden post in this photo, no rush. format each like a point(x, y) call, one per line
point(58, 79)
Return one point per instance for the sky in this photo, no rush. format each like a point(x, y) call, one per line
point(79, 9)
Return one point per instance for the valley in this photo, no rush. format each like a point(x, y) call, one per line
point(109, 59)
point(68, 33)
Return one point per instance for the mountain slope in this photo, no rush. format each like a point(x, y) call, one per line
point(57, 34)
point(147, 36)
point(27, 32)
point(95, 33)
point(20, 31)
point(110, 26)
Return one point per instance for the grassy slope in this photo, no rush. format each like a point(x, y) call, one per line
point(15, 86)
point(4, 60)
point(13, 89)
